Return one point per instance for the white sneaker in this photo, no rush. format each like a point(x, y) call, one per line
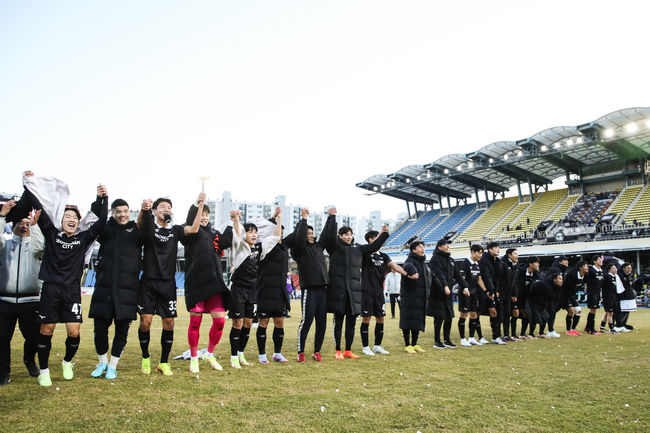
point(624, 329)
point(465, 343)
point(498, 340)
point(553, 334)
point(483, 341)
point(620, 329)
point(366, 351)
point(473, 342)
point(380, 350)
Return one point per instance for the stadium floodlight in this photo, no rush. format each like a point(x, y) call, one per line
point(632, 127)
point(609, 133)
point(491, 160)
point(459, 168)
point(374, 188)
point(408, 180)
point(579, 140)
point(544, 148)
point(428, 173)
point(383, 186)
point(556, 145)
point(470, 165)
point(419, 177)
point(569, 142)
point(446, 171)
point(506, 156)
point(520, 153)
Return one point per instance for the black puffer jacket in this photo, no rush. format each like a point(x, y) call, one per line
point(345, 274)
point(414, 294)
point(310, 258)
point(118, 272)
point(272, 296)
point(203, 268)
point(490, 272)
point(443, 273)
point(540, 303)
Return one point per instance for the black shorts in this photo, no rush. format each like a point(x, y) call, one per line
point(609, 304)
point(373, 304)
point(469, 303)
point(593, 299)
point(60, 304)
point(243, 303)
point(262, 315)
point(486, 302)
point(157, 297)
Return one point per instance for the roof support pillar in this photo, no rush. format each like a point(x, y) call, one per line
point(519, 191)
point(478, 199)
point(530, 190)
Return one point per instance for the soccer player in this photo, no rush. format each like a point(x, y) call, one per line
point(573, 283)
point(414, 291)
point(19, 289)
point(468, 297)
point(559, 266)
point(594, 282)
point(441, 306)
point(61, 271)
point(625, 274)
point(508, 302)
point(246, 254)
point(344, 292)
point(158, 284)
point(314, 279)
point(527, 274)
point(490, 271)
point(272, 294)
point(205, 290)
point(609, 296)
point(115, 298)
point(541, 301)
point(373, 273)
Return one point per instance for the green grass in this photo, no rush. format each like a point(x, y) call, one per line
point(587, 384)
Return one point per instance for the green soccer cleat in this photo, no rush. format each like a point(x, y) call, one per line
point(44, 379)
point(146, 365)
point(242, 360)
point(165, 369)
point(209, 357)
point(194, 365)
point(68, 372)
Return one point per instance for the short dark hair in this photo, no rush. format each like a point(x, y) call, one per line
point(476, 248)
point(625, 265)
point(414, 244)
point(533, 259)
point(343, 230)
point(491, 245)
point(249, 227)
point(310, 228)
point(371, 234)
point(160, 200)
point(594, 258)
point(581, 263)
point(609, 265)
point(119, 202)
point(510, 251)
point(206, 208)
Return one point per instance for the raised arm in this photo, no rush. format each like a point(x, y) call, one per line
point(269, 242)
point(327, 238)
point(101, 206)
point(377, 243)
point(300, 235)
point(6, 208)
point(44, 221)
point(38, 241)
point(196, 224)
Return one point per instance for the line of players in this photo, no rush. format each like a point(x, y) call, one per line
point(352, 286)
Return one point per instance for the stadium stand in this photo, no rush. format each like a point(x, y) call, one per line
point(448, 224)
point(625, 198)
point(534, 214)
point(505, 224)
point(492, 216)
point(640, 211)
point(588, 209)
point(563, 208)
point(415, 228)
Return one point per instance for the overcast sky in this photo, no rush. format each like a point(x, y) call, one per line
point(297, 98)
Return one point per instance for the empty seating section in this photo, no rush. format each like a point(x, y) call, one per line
point(536, 213)
point(485, 222)
point(505, 223)
point(563, 208)
point(640, 212)
point(588, 209)
point(470, 220)
point(438, 231)
point(413, 229)
point(624, 200)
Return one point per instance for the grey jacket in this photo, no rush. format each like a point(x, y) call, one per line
point(19, 266)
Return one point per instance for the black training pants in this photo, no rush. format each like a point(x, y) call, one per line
point(314, 306)
point(119, 340)
point(27, 316)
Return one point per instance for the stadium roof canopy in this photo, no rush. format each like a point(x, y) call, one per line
point(623, 135)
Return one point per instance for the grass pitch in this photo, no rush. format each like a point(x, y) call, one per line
point(586, 384)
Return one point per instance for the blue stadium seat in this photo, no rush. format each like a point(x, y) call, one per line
point(413, 229)
point(448, 224)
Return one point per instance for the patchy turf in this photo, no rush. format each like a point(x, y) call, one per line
point(587, 384)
